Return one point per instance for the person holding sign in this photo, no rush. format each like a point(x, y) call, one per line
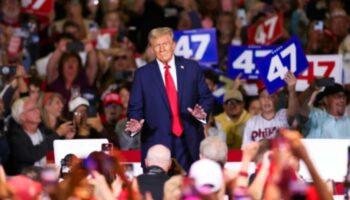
point(169, 101)
point(267, 124)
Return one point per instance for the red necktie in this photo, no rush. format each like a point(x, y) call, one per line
point(176, 126)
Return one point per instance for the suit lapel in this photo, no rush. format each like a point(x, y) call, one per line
point(180, 73)
point(157, 77)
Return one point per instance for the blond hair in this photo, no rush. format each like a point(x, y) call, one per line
point(157, 32)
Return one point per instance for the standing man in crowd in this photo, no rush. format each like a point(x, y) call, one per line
point(170, 101)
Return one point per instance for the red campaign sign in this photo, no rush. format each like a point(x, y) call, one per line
point(267, 31)
point(38, 7)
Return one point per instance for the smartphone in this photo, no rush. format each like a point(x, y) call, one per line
point(107, 148)
point(242, 16)
point(324, 82)
point(129, 171)
point(92, 112)
point(49, 174)
point(7, 70)
point(318, 26)
point(75, 46)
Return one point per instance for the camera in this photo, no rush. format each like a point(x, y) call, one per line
point(6, 70)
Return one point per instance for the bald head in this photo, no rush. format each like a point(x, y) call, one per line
point(159, 155)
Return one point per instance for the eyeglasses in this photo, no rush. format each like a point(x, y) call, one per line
point(232, 102)
point(120, 57)
point(82, 113)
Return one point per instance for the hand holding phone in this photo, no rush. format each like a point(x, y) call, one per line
point(107, 148)
point(7, 70)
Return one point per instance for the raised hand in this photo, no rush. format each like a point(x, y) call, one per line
point(250, 150)
point(197, 112)
point(238, 82)
point(291, 81)
point(134, 126)
point(20, 71)
point(66, 129)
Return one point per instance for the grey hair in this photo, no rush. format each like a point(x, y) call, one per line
point(17, 109)
point(157, 32)
point(158, 155)
point(215, 149)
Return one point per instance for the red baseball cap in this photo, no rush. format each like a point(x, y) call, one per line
point(112, 98)
point(25, 188)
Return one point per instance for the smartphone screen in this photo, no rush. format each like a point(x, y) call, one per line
point(107, 148)
point(129, 170)
point(75, 46)
point(318, 26)
point(92, 112)
point(242, 16)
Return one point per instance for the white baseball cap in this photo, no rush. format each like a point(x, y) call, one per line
point(76, 102)
point(207, 175)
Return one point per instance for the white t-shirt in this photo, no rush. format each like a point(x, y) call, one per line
point(258, 128)
point(36, 139)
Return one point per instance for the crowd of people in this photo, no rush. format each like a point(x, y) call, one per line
point(104, 69)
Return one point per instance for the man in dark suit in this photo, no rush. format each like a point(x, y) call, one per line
point(170, 101)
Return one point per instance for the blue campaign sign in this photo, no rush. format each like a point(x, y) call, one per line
point(243, 60)
point(197, 44)
point(287, 57)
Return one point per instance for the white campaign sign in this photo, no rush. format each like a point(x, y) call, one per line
point(322, 66)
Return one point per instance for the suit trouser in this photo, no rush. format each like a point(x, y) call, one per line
point(179, 150)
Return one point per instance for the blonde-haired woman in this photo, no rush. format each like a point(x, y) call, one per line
point(51, 111)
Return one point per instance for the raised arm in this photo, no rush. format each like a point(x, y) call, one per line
point(293, 103)
point(91, 65)
point(298, 149)
point(52, 65)
point(304, 99)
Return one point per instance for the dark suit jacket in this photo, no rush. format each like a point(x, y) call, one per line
point(22, 151)
point(149, 101)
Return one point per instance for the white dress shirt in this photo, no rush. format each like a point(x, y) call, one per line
point(172, 70)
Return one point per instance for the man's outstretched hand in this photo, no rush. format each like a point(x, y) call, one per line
point(134, 126)
point(197, 112)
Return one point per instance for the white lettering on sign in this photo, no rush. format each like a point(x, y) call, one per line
point(277, 69)
point(260, 35)
point(183, 47)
